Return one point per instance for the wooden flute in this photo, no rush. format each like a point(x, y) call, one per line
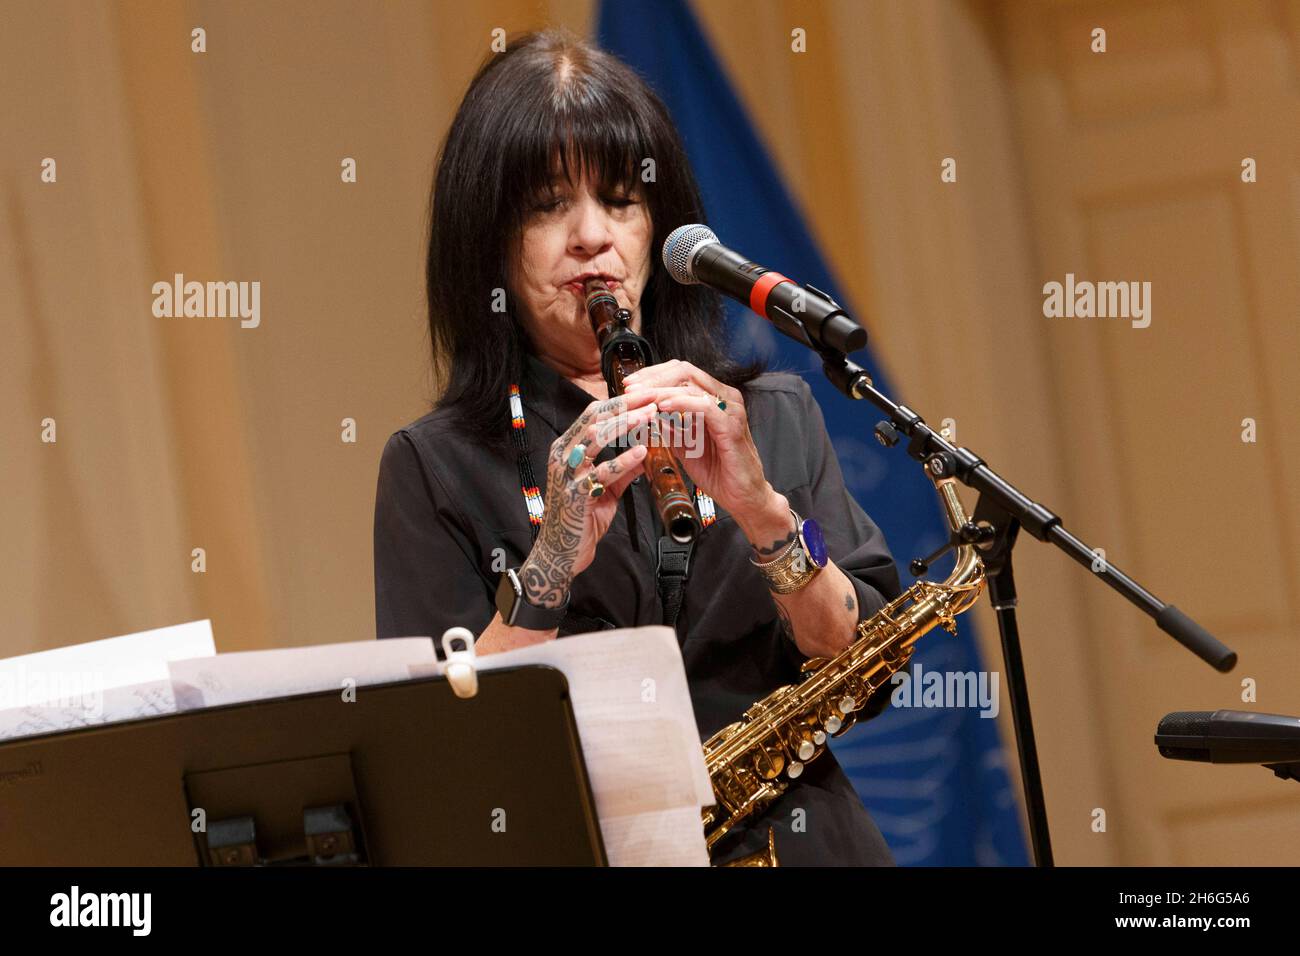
point(623, 352)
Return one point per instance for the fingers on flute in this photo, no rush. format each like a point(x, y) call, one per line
point(676, 373)
point(636, 397)
point(606, 432)
point(705, 406)
point(582, 431)
point(617, 473)
point(655, 393)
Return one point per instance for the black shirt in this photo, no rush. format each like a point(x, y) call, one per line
point(449, 509)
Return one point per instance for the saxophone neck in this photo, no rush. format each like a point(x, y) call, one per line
point(968, 568)
point(953, 510)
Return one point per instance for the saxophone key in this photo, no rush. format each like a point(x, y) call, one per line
point(768, 762)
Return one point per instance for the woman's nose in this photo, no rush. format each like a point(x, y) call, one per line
point(591, 230)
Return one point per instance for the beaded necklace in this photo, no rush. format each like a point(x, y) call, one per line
point(528, 484)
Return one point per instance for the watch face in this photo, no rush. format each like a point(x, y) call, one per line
point(814, 543)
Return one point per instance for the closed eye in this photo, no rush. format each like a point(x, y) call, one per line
point(551, 205)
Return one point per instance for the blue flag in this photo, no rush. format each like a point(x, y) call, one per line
point(934, 778)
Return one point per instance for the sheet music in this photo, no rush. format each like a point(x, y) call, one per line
point(656, 838)
point(118, 704)
point(261, 675)
point(639, 738)
point(98, 682)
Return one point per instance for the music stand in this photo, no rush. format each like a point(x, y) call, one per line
point(406, 774)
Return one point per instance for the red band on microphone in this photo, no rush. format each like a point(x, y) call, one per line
point(758, 294)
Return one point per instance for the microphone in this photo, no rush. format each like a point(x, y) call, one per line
point(693, 256)
point(1231, 736)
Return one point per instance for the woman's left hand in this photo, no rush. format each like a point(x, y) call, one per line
point(725, 463)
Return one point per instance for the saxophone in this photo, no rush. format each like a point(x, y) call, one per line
point(752, 761)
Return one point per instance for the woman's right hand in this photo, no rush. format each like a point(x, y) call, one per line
point(574, 522)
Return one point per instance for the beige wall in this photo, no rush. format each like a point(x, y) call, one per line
point(183, 433)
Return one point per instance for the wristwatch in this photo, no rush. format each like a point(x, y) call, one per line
point(800, 562)
point(516, 610)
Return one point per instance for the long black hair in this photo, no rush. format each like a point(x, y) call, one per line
point(551, 96)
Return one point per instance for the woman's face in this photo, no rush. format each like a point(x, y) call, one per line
point(575, 232)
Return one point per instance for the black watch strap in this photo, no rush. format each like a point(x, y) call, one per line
point(517, 612)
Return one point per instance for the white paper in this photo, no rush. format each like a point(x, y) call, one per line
point(99, 682)
point(116, 704)
point(262, 675)
point(639, 739)
point(672, 837)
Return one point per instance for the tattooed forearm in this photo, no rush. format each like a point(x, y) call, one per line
point(549, 570)
point(546, 579)
point(850, 602)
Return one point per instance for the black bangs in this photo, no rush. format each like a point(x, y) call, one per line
point(575, 124)
point(547, 111)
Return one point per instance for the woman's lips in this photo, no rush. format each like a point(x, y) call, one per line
point(578, 288)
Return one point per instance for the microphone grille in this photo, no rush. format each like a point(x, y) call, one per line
point(680, 248)
point(1191, 723)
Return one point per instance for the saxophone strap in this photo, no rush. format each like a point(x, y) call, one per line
point(672, 570)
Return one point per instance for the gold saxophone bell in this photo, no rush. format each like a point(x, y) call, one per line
point(752, 761)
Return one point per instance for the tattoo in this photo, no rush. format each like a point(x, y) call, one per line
point(555, 553)
point(534, 581)
point(850, 602)
point(776, 546)
point(548, 572)
point(560, 448)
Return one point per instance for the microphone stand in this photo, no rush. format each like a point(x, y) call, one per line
point(1001, 511)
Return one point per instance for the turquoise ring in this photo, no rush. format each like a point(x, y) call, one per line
point(577, 456)
point(721, 402)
